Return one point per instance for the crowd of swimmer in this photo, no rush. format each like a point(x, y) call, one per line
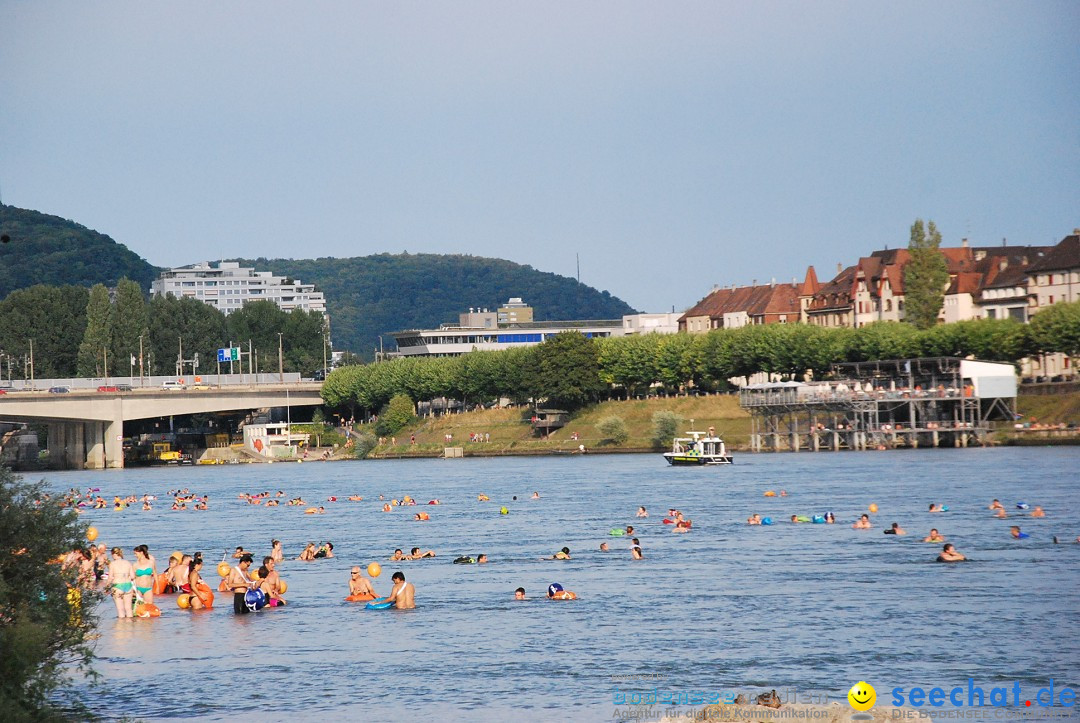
point(91, 499)
point(948, 553)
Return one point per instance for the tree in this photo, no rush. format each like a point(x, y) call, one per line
point(665, 427)
point(97, 339)
point(55, 318)
point(395, 415)
point(132, 321)
point(1057, 329)
point(201, 327)
point(566, 371)
point(46, 627)
point(614, 429)
point(925, 276)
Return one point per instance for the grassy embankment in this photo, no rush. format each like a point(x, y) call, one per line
point(511, 432)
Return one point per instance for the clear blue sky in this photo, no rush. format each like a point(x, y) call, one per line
point(673, 145)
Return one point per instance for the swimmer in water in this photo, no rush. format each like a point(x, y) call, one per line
point(830, 518)
point(563, 554)
point(519, 594)
point(397, 556)
point(996, 505)
point(360, 585)
point(934, 536)
point(403, 594)
point(795, 518)
point(1038, 512)
point(1001, 514)
point(1016, 533)
point(604, 547)
point(642, 512)
point(635, 549)
point(415, 554)
point(122, 581)
point(863, 523)
point(308, 554)
point(276, 553)
point(535, 496)
point(949, 554)
point(481, 559)
point(896, 529)
point(754, 519)
point(935, 508)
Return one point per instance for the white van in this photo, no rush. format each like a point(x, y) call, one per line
point(170, 386)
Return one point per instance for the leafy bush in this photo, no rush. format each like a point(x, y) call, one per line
point(665, 427)
point(45, 630)
point(395, 415)
point(614, 429)
point(365, 444)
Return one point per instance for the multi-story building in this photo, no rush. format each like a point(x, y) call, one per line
point(228, 286)
point(736, 306)
point(667, 323)
point(483, 330)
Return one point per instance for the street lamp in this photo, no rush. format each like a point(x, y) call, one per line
point(280, 358)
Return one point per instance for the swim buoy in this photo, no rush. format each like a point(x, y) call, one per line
point(147, 610)
point(223, 586)
point(374, 569)
point(183, 601)
point(423, 516)
point(818, 519)
point(766, 520)
point(378, 605)
point(282, 586)
point(503, 511)
point(223, 569)
point(386, 508)
point(362, 597)
point(944, 508)
point(255, 600)
point(1022, 535)
point(669, 521)
point(617, 532)
point(205, 594)
point(159, 584)
point(310, 510)
point(770, 493)
point(91, 533)
point(804, 518)
point(564, 595)
point(1021, 505)
point(464, 560)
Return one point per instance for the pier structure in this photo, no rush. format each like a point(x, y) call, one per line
point(925, 402)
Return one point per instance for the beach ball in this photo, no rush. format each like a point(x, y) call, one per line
point(770, 493)
point(223, 568)
point(282, 586)
point(873, 507)
point(374, 569)
point(504, 511)
point(91, 533)
point(254, 574)
point(393, 503)
point(255, 600)
point(183, 601)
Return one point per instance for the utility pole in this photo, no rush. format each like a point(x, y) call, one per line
point(140, 360)
point(105, 364)
point(180, 359)
point(280, 358)
point(31, 363)
point(250, 370)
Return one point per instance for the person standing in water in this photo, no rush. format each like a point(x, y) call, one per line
point(145, 572)
point(122, 581)
point(403, 594)
point(239, 582)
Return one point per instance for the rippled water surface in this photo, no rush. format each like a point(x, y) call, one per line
point(725, 607)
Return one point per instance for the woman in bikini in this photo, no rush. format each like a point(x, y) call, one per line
point(145, 571)
point(122, 582)
point(196, 584)
point(276, 553)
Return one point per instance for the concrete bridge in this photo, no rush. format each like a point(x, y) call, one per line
point(86, 426)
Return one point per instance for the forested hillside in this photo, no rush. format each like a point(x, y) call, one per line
point(44, 249)
point(372, 295)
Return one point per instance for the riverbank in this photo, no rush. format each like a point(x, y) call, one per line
point(508, 432)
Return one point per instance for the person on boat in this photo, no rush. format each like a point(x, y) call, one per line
point(308, 554)
point(276, 553)
point(896, 530)
point(239, 582)
point(196, 584)
point(360, 585)
point(996, 505)
point(403, 593)
point(934, 536)
point(635, 549)
point(642, 512)
point(122, 582)
point(863, 523)
point(145, 572)
point(1038, 512)
point(949, 554)
point(563, 554)
point(270, 582)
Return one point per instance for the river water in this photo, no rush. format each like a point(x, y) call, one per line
point(727, 607)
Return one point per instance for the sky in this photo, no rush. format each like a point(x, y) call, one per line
point(672, 146)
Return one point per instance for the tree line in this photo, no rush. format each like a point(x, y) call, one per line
point(570, 371)
point(79, 332)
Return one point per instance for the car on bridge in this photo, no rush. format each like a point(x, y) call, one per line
point(59, 390)
point(171, 386)
point(114, 388)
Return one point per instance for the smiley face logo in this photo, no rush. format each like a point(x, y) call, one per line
point(862, 696)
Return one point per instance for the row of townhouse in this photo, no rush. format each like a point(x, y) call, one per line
point(985, 282)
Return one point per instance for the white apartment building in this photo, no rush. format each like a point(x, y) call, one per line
point(228, 286)
point(651, 324)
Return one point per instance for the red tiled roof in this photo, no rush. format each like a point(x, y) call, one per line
point(1066, 255)
point(753, 300)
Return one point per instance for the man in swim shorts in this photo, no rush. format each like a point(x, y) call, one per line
point(239, 582)
point(403, 593)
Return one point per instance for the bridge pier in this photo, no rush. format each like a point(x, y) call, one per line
point(87, 445)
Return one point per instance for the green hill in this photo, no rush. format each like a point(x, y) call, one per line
point(44, 249)
point(372, 295)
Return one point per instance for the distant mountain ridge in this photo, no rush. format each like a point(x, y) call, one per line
point(45, 249)
point(366, 295)
point(372, 295)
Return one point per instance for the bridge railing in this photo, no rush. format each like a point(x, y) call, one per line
point(156, 382)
